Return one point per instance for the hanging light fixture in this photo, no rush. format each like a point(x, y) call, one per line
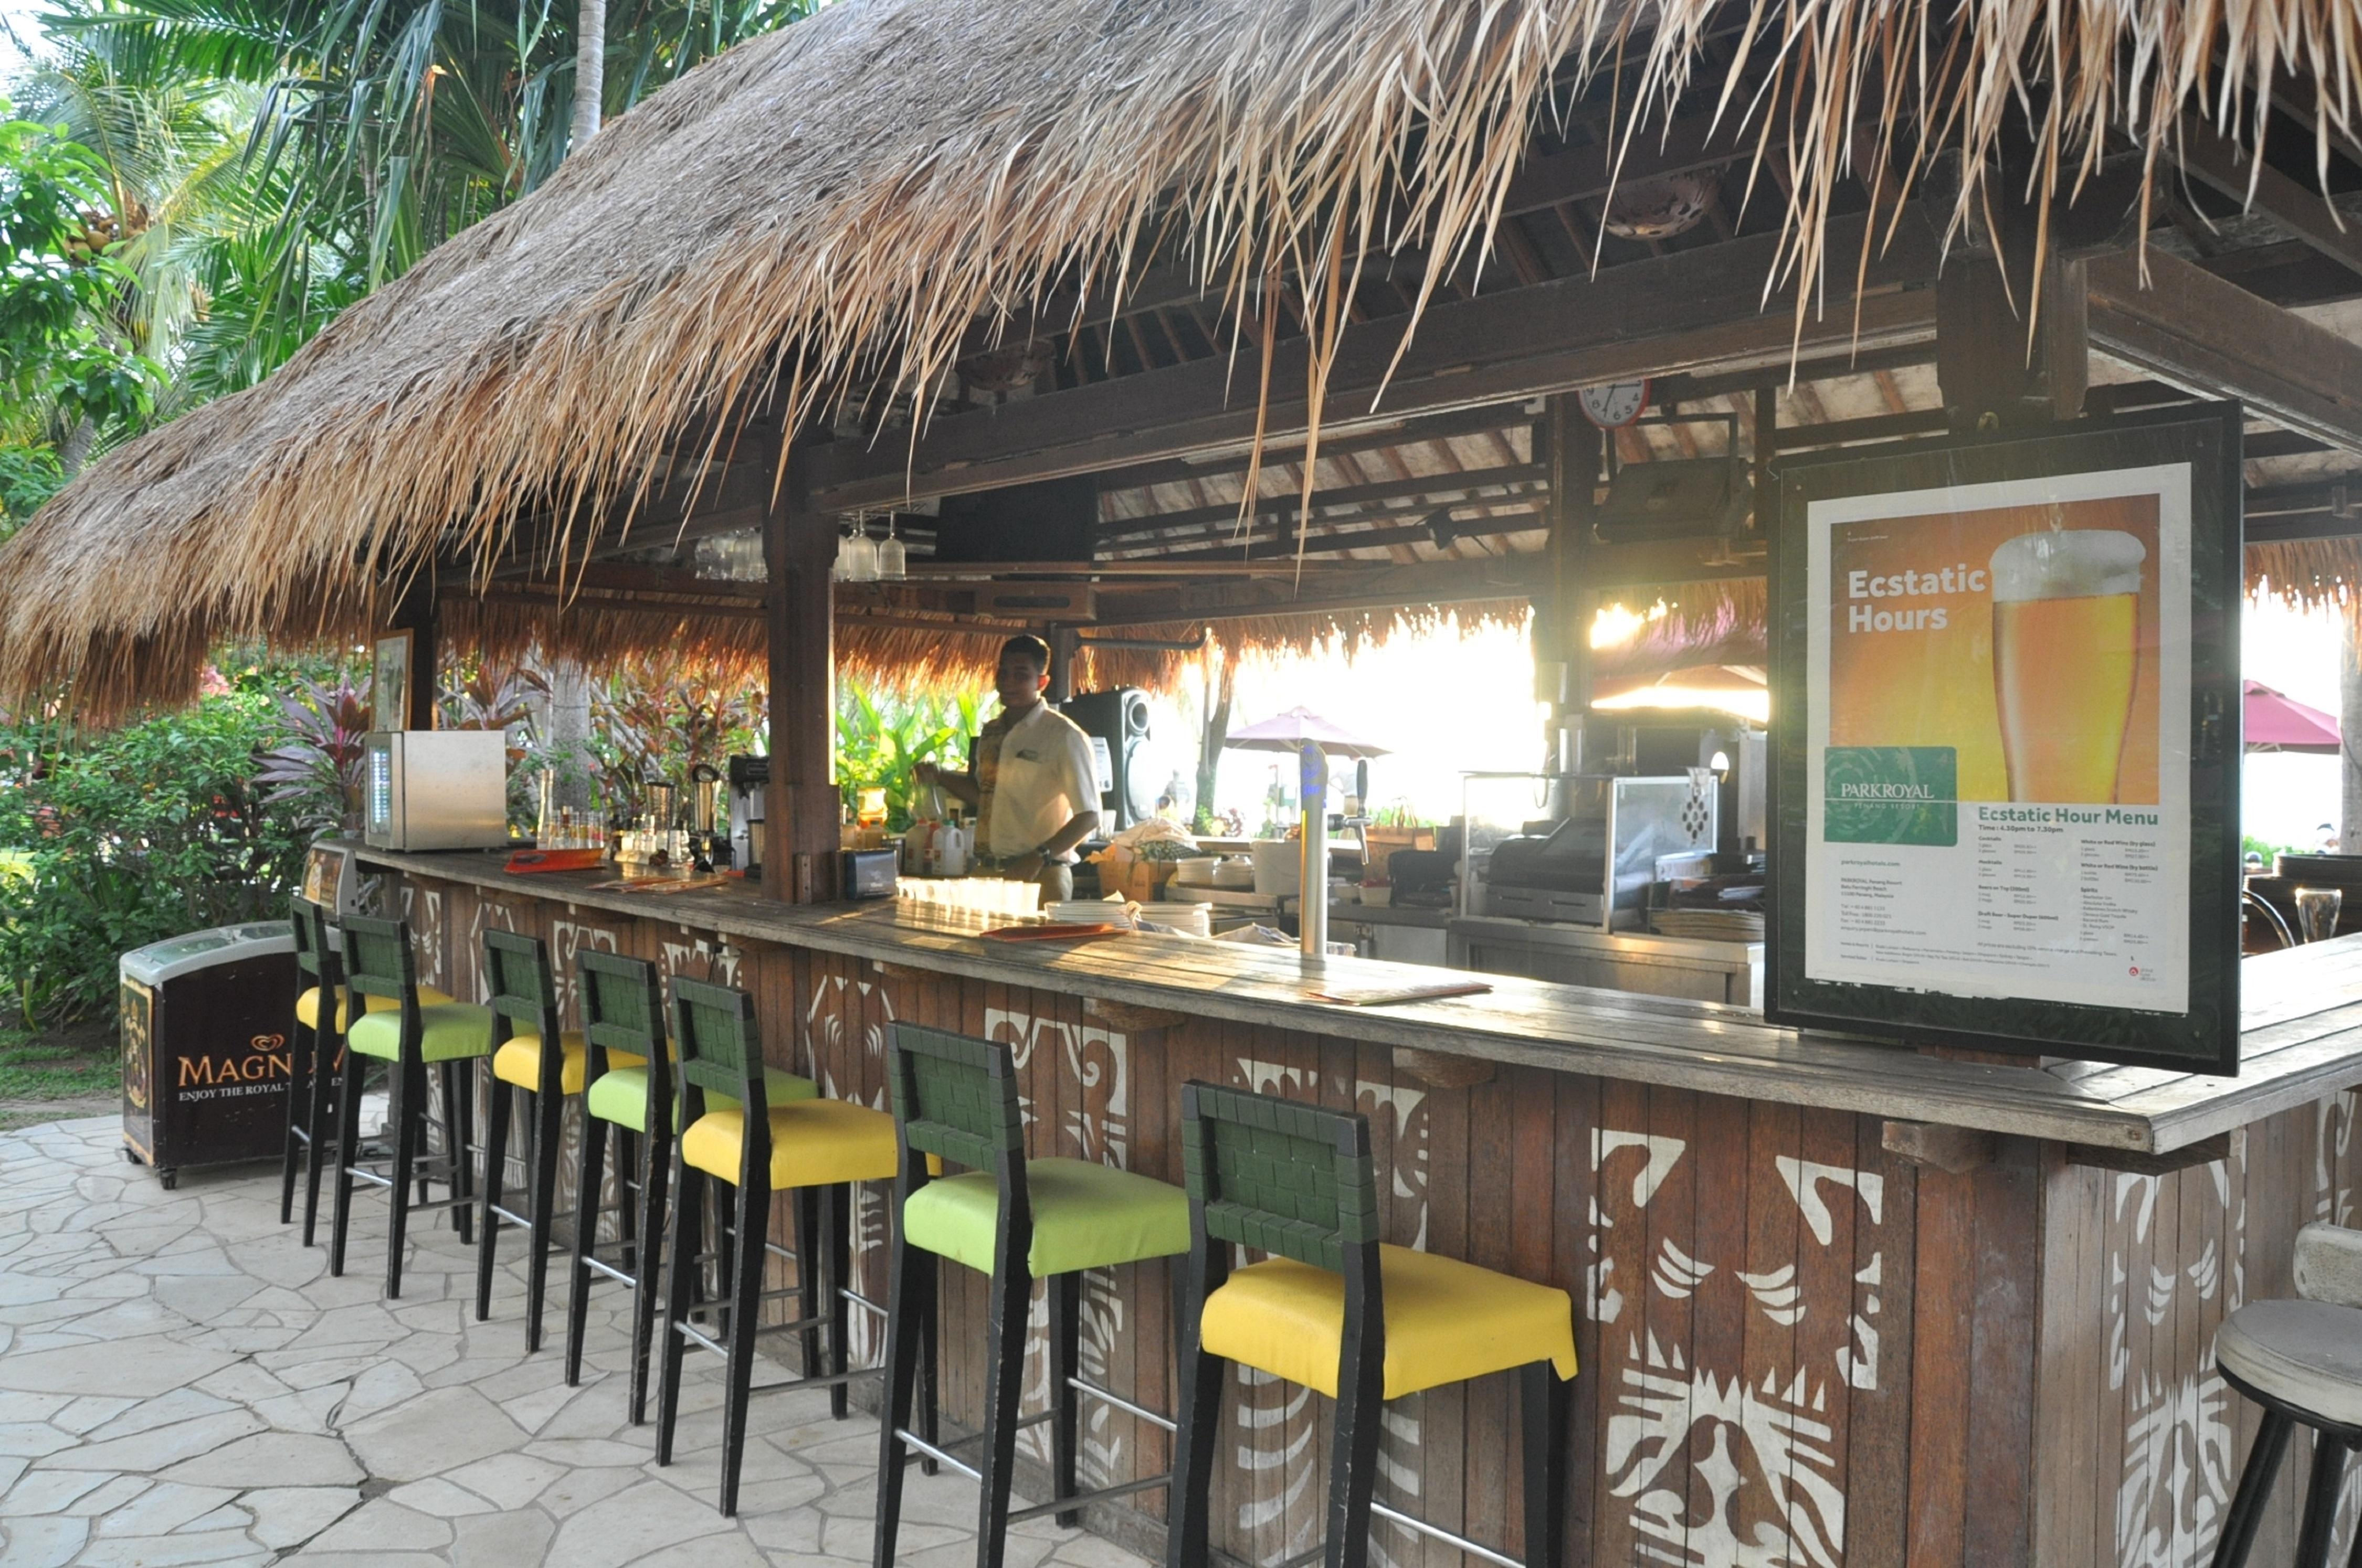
point(893, 559)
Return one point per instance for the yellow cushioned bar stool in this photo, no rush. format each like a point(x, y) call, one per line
point(809, 1147)
point(1018, 1220)
point(531, 1053)
point(410, 1038)
point(627, 1078)
point(1333, 1308)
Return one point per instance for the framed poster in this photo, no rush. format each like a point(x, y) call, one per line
point(390, 673)
point(2006, 733)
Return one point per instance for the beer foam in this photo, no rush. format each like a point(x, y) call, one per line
point(2074, 563)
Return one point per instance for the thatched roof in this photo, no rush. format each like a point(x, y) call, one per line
point(830, 212)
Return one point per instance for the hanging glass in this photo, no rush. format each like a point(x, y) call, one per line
point(893, 560)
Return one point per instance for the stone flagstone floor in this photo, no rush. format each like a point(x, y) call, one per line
point(181, 1381)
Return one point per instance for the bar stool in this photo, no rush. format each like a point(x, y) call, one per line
point(409, 1039)
point(1017, 1220)
point(628, 1087)
point(2301, 1361)
point(319, 1060)
point(531, 1053)
point(808, 1147)
point(1335, 1310)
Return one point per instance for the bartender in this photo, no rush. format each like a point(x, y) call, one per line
point(1034, 788)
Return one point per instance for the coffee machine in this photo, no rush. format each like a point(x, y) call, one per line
point(707, 847)
point(747, 778)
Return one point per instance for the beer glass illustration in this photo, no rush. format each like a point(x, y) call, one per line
point(2066, 653)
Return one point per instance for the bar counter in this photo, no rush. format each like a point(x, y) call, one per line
point(1838, 1302)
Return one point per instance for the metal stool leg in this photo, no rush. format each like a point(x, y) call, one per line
point(909, 1326)
point(2247, 1514)
point(804, 1205)
point(303, 1047)
point(1544, 1401)
point(408, 1114)
point(589, 1183)
point(750, 1225)
point(326, 1087)
point(838, 1215)
point(1065, 1365)
point(350, 1085)
point(654, 1155)
point(459, 1143)
point(548, 1106)
point(1004, 1383)
point(681, 1273)
point(496, 1160)
point(2321, 1502)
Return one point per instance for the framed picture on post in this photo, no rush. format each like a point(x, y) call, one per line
point(2006, 698)
point(390, 680)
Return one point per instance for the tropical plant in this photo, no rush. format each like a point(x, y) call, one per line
point(651, 722)
point(880, 741)
point(316, 770)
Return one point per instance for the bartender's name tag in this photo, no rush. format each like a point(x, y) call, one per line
point(1891, 794)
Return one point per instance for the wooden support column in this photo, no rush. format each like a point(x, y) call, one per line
point(1574, 448)
point(801, 803)
point(417, 616)
point(1996, 372)
point(1064, 643)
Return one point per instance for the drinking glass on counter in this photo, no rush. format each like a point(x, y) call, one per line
point(2316, 912)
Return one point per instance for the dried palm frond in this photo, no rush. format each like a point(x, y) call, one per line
point(872, 182)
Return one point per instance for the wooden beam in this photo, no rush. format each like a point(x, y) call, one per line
point(1338, 495)
point(2213, 160)
point(1692, 311)
point(2195, 330)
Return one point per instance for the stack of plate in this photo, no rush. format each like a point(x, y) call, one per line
point(1708, 926)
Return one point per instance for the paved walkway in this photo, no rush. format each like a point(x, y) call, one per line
point(181, 1382)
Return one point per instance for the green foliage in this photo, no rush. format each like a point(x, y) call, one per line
point(60, 295)
point(30, 475)
point(2250, 845)
point(879, 741)
point(126, 838)
point(314, 773)
point(652, 720)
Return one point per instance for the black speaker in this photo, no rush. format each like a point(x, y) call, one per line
point(1120, 718)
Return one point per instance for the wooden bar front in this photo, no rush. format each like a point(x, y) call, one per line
point(1797, 1347)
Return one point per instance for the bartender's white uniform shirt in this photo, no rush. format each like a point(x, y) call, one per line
point(1046, 775)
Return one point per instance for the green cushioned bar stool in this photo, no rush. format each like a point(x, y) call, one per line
point(410, 1038)
point(532, 1054)
point(627, 1079)
point(735, 1130)
point(1017, 1220)
point(1333, 1310)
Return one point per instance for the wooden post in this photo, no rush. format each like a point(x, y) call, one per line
point(801, 801)
point(1994, 373)
point(417, 615)
point(1574, 448)
point(1064, 643)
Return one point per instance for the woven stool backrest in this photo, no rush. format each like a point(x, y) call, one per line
point(956, 1097)
point(619, 1004)
point(310, 923)
point(721, 1051)
point(522, 992)
point(1278, 1176)
point(378, 958)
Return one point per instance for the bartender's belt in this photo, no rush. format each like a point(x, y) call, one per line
point(984, 860)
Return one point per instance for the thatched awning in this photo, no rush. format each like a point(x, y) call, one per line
point(838, 211)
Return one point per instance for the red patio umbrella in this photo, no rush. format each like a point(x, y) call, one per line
point(2275, 723)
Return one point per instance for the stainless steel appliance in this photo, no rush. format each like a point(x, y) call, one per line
point(748, 775)
point(436, 790)
point(1580, 849)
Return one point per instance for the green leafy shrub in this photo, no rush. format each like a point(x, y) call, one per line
point(114, 841)
point(880, 741)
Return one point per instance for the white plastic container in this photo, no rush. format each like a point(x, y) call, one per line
point(1278, 867)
